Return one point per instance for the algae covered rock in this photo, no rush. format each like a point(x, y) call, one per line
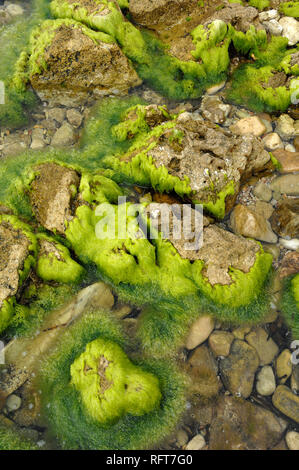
point(17, 257)
point(110, 385)
point(290, 302)
point(51, 193)
point(54, 262)
point(193, 157)
point(68, 61)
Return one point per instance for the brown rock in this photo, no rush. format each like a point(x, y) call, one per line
point(51, 195)
point(289, 161)
point(200, 331)
point(241, 425)
point(220, 342)
point(249, 223)
point(14, 249)
point(241, 17)
point(289, 265)
point(285, 220)
point(252, 125)
point(77, 65)
point(296, 143)
point(286, 402)
point(238, 369)
point(265, 347)
point(203, 369)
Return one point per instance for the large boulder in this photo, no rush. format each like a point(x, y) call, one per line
point(76, 61)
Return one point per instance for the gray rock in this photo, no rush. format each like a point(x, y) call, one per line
point(58, 114)
point(262, 192)
point(197, 443)
point(13, 402)
point(273, 27)
point(74, 117)
point(238, 369)
point(285, 127)
point(286, 184)
point(64, 136)
point(14, 10)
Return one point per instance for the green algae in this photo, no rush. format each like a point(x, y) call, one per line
point(69, 420)
point(290, 303)
point(12, 439)
point(290, 9)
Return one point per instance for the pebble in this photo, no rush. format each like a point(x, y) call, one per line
point(286, 184)
point(202, 369)
point(252, 125)
point(286, 402)
point(13, 402)
point(215, 88)
point(239, 368)
point(220, 342)
point(14, 9)
point(284, 366)
point(249, 223)
point(290, 244)
point(74, 117)
point(266, 385)
point(273, 27)
point(285, 127)
point(58, 114)
point(290, 148)
point(268, 15)
point(289, 161)
point(64, 136)
point(266, 348)
point(292, 440)
point(200, 331)
point(290, 28)
point(262, 192)
point(197, 443)
point(272, 141)
point(181, 438)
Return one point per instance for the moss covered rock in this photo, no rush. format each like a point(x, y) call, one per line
point(110, 385)
point(18, 249)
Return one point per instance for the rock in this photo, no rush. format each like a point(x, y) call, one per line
point(238, 369)
point(286, 184)
point(272, 141)
point(289, 161)
point(247, 222)
point(223, 250)
point(197, 443)
point(202, 368)
point(285, 127)
point(14, 144)
point(181, 438)
point(265, 347)
point(262, 192)
point(286, 402)
point(290, 28)
point(214, 109)
point(13, 403)
point(14, 251)
point(74, 117)
point(292, 440)
point(241, 331)
point(56, 114)
point(38, 141)
point(200, 331)
point(273, 27)
point(295, 379)
point(241, 425)
point(268, 15)
point(289, 265)
point(14, 9)
point(85, 65)
point(250, 125)
point(51, 195)
point(5, 17)
point(215, 88)
point(296, 143)
point(284, 366)
point(64, 136)
point(285, 219)
point(220, 342)
point(240, 16)
point(266, 385)
point(290, 148)
point(290, 244)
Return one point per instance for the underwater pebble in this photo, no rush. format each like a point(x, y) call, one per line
point(285, 127)
point(266, 385)
point(58, 114)
point(273, 27)
point(284, 366)
point(249, 223)
point(290, 244)
point(292, 440)
point(215, 88)
point(266, 348)
point(286, 184)
point(13, 402)
point(197, 443)
point(268, 15)
point(200, 331)
point(220, 342)
point(64, 136)
point(290, 148)
point(262, 192)
point(74, 117)
point(289, 161)
point(272, 141)
point(181, 438)
point(14, 9)
point(286, 402)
